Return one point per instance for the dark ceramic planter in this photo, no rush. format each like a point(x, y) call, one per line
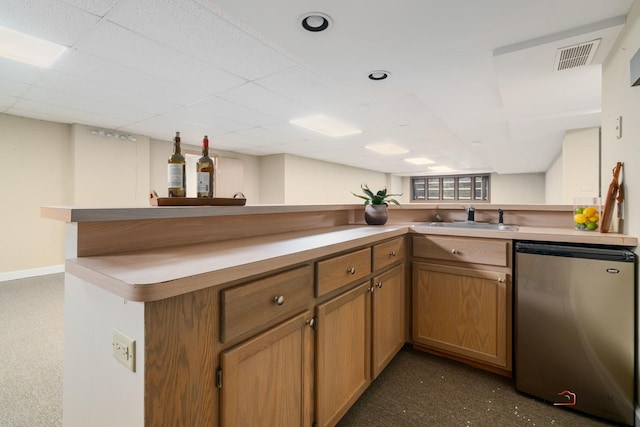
point(375, 214)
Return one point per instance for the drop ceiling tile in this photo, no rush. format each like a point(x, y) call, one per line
point(97, 7)
point(63, 114)
point(14, 89)
point(258, 98)
point(109, 95)
point(50, 99)
point(189, 27)
point(305, 87)
point(51, 20)
point(216, 125)
point(19, 72)
point(6, 101)
point(105, 72)
point(217, 106)
point(127, 48)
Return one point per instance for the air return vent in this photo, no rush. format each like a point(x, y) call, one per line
point(575, 56)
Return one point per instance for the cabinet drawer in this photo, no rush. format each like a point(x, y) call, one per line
point(387, 253)
point(263, 302)
point(477, 251)
point(336, 272)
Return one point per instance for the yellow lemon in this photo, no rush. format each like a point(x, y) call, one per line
point(589, 212)
point(580, 218)
point(594, 218)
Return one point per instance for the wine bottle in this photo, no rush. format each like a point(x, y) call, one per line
point(205, 171)
point(176, 171)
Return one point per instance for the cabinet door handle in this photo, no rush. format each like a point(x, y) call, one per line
point(279, 299)
point(379, 284)
point(454, 251)
point(351, 270)
point(393, 253)
point(372, 288)
point(500, 279)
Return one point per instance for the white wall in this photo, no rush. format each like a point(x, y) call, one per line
point(35, 172)
point(619, 99)
point(309, 181)
point(580, 164)
point(109, 171)
point(553, 183)
point(525, 188)
point(272, 176)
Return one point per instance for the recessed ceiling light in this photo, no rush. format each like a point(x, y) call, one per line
point(28, 49)
point(315, 22)
point(325, 125)
point(386, 149)
point(379, 75)
point(419, 161)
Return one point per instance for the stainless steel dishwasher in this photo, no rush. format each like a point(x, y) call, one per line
point(575, 333)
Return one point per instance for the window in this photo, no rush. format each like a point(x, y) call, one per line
point(450, 188)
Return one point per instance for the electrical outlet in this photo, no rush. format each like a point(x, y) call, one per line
point(124, 350)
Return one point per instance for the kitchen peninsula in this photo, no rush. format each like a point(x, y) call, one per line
point(239, 312)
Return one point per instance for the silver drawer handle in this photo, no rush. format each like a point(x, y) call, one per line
point(500, 279)
point(279, 299)
point(379, 284)
point(351, 270)
point(393, 253)
point(454, 251)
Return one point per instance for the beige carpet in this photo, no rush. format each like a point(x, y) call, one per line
point(31, 351)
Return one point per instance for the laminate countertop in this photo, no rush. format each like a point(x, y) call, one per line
point(165, 272)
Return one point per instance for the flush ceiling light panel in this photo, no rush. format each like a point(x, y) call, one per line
point(386, 149)
point(28, 49)
point(419, 161)
point(315, 22)
point(325, 125)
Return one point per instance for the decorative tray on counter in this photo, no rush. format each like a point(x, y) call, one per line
point(154, 200)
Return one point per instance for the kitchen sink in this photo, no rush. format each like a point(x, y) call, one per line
point(472, 225)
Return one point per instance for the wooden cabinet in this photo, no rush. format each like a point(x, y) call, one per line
point(263, 302)
point(342, 353)
point(336, 272)
point(267, 379)
point(269, 375)
point(388, 317)
point(359, 332)
point(462, 307)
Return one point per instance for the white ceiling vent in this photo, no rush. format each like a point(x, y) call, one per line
point(575, 56)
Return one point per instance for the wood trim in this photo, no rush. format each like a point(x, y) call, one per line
point(116, 237)
point(179, 360)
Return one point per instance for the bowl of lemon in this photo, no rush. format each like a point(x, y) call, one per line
point(586, 213)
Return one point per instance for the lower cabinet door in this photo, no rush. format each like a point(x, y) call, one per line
point(266, 381)
point(342, 353)
point(388, 335)
point(463, 311)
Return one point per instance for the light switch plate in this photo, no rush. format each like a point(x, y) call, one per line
point(124, 349)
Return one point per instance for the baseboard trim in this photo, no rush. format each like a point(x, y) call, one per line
point(32, 272)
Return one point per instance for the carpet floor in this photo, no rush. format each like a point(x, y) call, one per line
point(420, 389)
point(416, 389)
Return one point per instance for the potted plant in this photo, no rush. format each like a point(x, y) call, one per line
point(375, 204)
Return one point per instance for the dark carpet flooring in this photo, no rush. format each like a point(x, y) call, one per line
point(419, 389)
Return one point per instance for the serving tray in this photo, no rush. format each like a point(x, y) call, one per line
point(154, 200)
